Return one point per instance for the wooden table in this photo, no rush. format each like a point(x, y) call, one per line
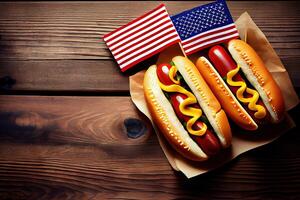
point(64, 101)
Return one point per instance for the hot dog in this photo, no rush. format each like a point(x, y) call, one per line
point(185, 110)
point(242, 84)
point(208, 142)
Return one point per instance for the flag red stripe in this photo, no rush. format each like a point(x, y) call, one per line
point(208, 45)
point(139, 41)
point(133, 21)
point(213, 38)
point(207, 34)
point(121, 36)
point(147, 44)
point(125, 68)
point(138, 34)
point(147, 48)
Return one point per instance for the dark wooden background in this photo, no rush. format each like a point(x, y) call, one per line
point(63, 104)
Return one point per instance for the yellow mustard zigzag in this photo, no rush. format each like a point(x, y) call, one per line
point(260, 110)
point(194, 113)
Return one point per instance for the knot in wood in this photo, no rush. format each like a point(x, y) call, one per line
point(6, 82)
point(135, 128)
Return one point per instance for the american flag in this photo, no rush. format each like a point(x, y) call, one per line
point(142, 38)
point(205, 26)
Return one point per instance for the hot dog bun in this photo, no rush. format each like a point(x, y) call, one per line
point(227, 99)
point(168, 123)
point(260, 78)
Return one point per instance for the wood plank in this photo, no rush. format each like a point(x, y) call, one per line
point(70, 119)
point(66, 76)
point(37, 38)
point(74, 30)
point(76, 148)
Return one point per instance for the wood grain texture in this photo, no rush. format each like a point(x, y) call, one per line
point(58, 147)
point(83, 76)
point(74, 30)
point(31, 34)
point(65, 75)
point(76, 148)
point(66, 119)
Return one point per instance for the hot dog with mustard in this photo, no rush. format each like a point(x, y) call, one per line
point(185, 110)
point(243, 85)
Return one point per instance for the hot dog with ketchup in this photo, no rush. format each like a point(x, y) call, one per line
point(243, 85)
point(185, 110)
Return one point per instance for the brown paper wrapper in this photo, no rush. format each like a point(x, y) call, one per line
point(242, 141)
